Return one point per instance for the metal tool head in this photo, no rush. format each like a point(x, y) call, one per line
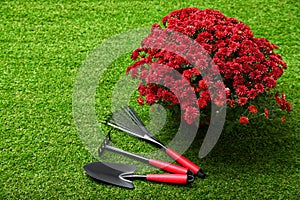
point(124, 119)
point(104, 143)
point(111, 173)
point(132, 124)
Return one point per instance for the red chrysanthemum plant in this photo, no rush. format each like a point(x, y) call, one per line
point(249, 67)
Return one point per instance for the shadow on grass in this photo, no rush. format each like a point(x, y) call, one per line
point(261, 148)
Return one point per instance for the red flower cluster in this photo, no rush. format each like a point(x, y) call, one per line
point(244, 120)
point(249, 66)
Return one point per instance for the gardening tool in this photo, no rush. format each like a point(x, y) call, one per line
point(156, 163)
point(127, 120)
point(123, 175)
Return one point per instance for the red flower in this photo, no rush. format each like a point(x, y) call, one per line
point(255, 75)
point(202, 103)
point(195, 71)
point(253, 109)
point(155, 25)
point(270, 82)
point(252, 94)
point(190, 30)
point(230, 102)
point(219, 101)
point(266, 113)
point(151, 99)
point(188, 74)
point(140, 100)
point(205, 95)
point(260, 88)
point(167, 96)
point(282, 102)
point(242, 101)
point(219, 88)
point(238, 80)
point(190, 114)
point(204, 37)
point(261, 68)
point(142, 90)
point(202, 85)
point(244, 120)
point(135, 54)
point(242, 90)
point(236, 68)
point(168, 80)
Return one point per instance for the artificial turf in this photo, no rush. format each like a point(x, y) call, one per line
point(43, 45)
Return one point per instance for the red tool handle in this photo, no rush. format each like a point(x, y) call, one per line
point(185, 162)
point(170, 178)
point(169, 167)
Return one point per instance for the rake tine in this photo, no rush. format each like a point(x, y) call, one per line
point(135, 118)
point(125, 119)
point(123, 126)
point(125, 129)
point(128, 115)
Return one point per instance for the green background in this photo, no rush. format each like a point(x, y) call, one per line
point(43, 45)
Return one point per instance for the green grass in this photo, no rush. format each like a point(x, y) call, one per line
point(43, 45)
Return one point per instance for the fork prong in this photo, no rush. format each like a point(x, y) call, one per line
point(104, 143)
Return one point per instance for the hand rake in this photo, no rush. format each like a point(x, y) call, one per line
point(127, 120)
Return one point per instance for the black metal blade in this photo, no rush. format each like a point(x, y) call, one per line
point(110, 173)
